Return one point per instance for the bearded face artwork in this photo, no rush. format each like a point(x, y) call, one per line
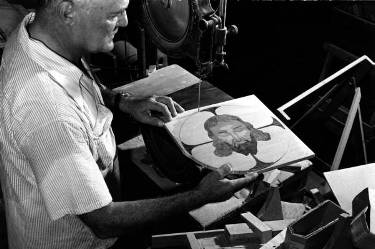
point(242, 133)
point(230, 133)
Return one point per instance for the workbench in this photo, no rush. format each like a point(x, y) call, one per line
point(183, 87)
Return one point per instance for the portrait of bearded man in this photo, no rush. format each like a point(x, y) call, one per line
point(230, 133)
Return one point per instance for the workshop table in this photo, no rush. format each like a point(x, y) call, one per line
point(185, 89)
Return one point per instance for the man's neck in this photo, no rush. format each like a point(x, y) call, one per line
point(55, 39)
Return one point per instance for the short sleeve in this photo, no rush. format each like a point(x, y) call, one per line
point(67, 175)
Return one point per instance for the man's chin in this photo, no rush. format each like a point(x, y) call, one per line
point(106, 47)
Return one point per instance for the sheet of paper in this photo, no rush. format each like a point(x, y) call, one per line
point(347, 183)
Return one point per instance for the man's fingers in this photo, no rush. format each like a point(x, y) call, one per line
point(224, 170)
point(162, 108)
point(169, 103)
point(179, 108)
point(243, 181)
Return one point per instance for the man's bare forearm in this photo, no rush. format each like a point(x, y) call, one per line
point(120, 218)
point(130, 217)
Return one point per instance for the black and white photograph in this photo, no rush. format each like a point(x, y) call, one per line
point(187, 124)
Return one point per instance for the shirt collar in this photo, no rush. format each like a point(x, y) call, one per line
point(62, 71)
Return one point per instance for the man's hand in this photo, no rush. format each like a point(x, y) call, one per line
point(215, 187)
point(155, 110)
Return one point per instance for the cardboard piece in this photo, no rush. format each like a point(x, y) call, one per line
point(314, 228)
point(271, 209)
point(340, 238)
point(362, 225)
point(276, 177)
point(355, 178)
point(292, 210)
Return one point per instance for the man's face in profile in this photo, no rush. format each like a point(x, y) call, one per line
point(236, 134)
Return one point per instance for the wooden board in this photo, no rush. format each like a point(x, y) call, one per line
point(163, 81)
point(239, 233)
point(211, 239)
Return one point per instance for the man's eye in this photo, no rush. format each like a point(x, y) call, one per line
point(114, 16)
point(238, 129)
point(117, 14)
point(223, 134)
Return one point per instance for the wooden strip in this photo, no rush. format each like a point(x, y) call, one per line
point(264, 232)
point(322, 83)
point(208, 233)
point(183, 239)
point(278, 225)
point(169, 240)
point(193, 242)
point(362, 134)
point(348, 127)
point(275, 242)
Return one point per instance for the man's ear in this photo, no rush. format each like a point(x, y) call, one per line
point(66, 11)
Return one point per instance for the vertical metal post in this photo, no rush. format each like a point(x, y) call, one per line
point(141, 51)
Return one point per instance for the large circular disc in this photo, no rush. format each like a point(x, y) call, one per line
point(173, 25)
point(170, 19)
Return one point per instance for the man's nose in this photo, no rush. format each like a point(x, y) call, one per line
point(123, 20)
point(235, 136)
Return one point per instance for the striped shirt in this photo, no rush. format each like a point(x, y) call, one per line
point(56, 144)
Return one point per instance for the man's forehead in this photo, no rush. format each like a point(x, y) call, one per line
point(228, 124)
point(108, 4)
point(115, 3)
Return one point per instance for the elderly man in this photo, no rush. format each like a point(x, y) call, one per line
point(59, 171)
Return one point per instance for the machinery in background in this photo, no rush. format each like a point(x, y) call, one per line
point(189, 29)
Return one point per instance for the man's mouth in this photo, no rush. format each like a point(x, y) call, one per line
point(242, 141)
point(114, 33)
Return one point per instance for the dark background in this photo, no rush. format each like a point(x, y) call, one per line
point(279, 53)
